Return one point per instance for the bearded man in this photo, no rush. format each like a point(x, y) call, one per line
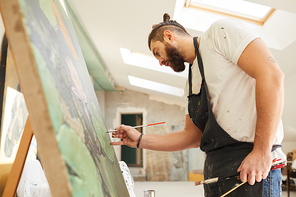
point(235, 94)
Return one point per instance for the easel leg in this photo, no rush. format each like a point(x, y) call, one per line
point(17, 167)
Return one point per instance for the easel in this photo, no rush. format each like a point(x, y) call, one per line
point(18, 165)
point(50, 107)
point(31, 88)
point(12, 172)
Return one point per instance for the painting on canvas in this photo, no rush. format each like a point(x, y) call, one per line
point(80, 139)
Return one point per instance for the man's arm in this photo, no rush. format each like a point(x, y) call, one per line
point(258, 62)
point(187, 138)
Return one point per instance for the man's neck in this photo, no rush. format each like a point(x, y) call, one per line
point(187, 49)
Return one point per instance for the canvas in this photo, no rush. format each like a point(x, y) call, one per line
point(74, 148)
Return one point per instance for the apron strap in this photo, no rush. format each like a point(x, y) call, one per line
point(201, 68)
point(200, 64)
point(190, 79)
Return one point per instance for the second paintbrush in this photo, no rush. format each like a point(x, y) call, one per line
point(214, 180)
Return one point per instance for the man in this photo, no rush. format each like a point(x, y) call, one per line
point(235, 102)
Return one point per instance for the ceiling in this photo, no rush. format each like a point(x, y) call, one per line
point(113, 24)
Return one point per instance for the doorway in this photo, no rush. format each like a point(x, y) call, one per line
point(133, 157)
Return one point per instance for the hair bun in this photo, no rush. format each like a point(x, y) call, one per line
point(166, 17)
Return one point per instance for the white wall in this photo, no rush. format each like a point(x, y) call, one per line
point(130, 100)
point(288, 146)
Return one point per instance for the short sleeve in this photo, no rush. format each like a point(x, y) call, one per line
point(231, 37)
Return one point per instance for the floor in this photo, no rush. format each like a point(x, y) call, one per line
point(177, 189)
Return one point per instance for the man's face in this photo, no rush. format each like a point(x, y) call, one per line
point(175, 59)
point(168, 55)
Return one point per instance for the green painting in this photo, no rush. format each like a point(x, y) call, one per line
point(80, 133)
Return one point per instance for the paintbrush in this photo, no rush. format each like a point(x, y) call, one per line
point(151, 124)
point(277, 163)
point(214, 180)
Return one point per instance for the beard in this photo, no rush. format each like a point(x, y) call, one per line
point(174, 58)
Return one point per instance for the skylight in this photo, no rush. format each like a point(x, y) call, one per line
point(155, 86)
point(235, 8)
point(149, 62)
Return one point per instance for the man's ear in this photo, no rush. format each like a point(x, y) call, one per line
point(168, 36)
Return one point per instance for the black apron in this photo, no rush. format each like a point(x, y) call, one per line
point(224, 154)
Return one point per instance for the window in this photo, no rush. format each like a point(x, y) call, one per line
point(240, 9)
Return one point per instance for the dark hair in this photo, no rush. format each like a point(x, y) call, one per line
point(167, 24)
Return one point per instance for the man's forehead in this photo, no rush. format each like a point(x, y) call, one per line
point(155, 44)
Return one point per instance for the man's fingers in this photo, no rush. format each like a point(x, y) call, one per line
point(258, 177)
point(243, 177)
point(117, 143)
point(251, 179)
point(239, 168)
point(120, 136)
point(122, 128)
point(118, 128)
point(264, 176)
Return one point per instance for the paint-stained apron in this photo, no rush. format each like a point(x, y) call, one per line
point(224, 154)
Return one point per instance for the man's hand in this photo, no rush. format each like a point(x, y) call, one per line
point(128, 135)
point(255, 167)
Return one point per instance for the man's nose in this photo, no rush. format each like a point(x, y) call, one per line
point(161, 61)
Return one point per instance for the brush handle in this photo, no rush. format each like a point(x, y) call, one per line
point(151, 124)
point(233, 189)
point(214, 180)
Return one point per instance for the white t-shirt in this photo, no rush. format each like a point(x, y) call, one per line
point(232, 91)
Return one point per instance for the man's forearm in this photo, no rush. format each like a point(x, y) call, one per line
point(269, 105)
point(187, 138)
point(175, 141)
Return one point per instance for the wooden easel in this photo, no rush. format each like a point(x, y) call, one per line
point(13, 171)
point(40, 84)
point(32, 91)
point(18, 165)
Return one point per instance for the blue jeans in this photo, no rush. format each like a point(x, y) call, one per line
point(272, 186)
